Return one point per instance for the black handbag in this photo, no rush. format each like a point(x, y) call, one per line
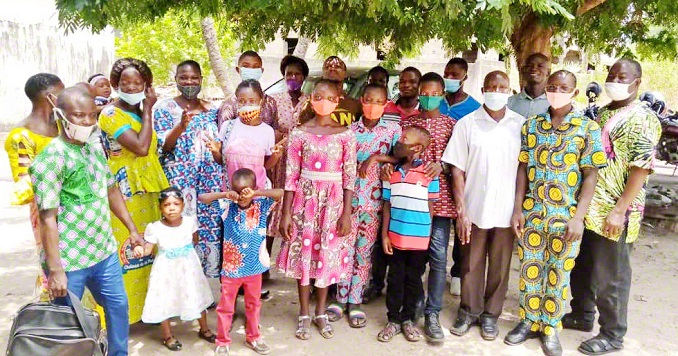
point(51, 329)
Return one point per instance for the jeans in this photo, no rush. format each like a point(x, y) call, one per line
point(226, 307)
point(437, 262)
point(404, 284)
point(104, 281)
point(455, 271)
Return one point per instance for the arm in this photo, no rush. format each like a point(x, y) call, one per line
point(173, 134)
point(208, 198)
point(215, 147)
point(614, 223)
point(463, 222)
point(57, 281)
point(275, 194)
point(350, 161)
point(148, 248)
point(575, 227)
point(386, 219)
point(518, 219)
point(286, 218)
point(375, 158)
point(119, 209)
point(292, 174)
point(139, 143)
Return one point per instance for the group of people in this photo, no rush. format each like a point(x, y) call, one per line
point(139, 201)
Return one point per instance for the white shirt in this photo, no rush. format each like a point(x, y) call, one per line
point(487, 151)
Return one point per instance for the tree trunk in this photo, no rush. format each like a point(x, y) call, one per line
point(302, 47)
point(219, 67)
point(530, 36)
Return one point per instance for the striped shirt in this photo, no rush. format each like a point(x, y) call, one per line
point(394, 113)
point(409, 193)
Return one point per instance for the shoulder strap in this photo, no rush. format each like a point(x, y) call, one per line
point(82, 319)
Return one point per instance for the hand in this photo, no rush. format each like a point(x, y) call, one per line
point(231, 195)
point(151, 97)
point(464, 226)
point(135, 239)
point(574, 229)
point(386, 245)
point(186, 117)
point(344, 225)
point(138, 251)
point(614, 223)
point(57, 284)
point(247, 193)
point(280, 146)
point(362, 171)
point(433, 169)
point(213, 146)
point(286, 226)
point(518, 223)
point(386, 171)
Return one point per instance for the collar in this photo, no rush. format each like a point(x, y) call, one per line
point(416, 163)
point(523, 95)
point(361, 124)
point(574, 117)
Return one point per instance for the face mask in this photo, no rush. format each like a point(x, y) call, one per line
point(452, 85)
point(132, 99)
point(323, 107)
point(558, 100)
point(429, 102)
point(617, 91)
point(293, 85)
point(249, 113)
point(189, 92)
point(495, 101)
point(401, 150)
point(251, 73)
point(73, 131)
point(373, 111)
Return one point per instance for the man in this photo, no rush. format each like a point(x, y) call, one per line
point(602, 274)
point(73, 191)
point(484, 151)
point(406, 106)
point(559, 159)
point(378, 75)
point(532, 100)
point(456, 105)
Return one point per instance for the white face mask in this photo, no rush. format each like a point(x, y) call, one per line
point(618, 91)
point(73, 131)
point(132, 99)
point(251, 73)
point(495, 101)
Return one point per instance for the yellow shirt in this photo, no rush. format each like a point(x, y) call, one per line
point(22, 145)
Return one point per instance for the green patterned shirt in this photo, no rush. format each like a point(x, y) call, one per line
point(634, 140)
point(74, 180)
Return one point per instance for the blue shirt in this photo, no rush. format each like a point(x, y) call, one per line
point(460, 109)
point(244, 245)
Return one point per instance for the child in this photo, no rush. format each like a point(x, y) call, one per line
point(320, 178)
point(245, 258)
point(177, 284)
point(103, 90)
point(408, 213)
point(247, 142)
point(376, 139)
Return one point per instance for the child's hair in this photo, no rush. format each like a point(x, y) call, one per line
point(252, 84)
point(377, 69)
point(249, 53)
point(290, 60)
point(171, 192)
point(373, 86)
point(245, 174)
point(432, 77)
point(423, 134)
point(331, 83)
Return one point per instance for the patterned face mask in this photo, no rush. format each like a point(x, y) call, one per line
point(249, 113)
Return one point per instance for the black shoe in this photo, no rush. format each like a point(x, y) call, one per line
point(488, 327)
point(573, 322)
point(433, 330)
point(265, 293)
point(463, 323)
point(520, 334)
point(371, 293)
point(550, 344)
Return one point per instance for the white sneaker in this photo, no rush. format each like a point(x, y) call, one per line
point(222, 351)
point(455, 286)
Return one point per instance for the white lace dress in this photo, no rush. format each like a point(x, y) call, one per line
point(178, 286)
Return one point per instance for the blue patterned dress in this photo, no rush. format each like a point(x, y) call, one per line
point(191, 168)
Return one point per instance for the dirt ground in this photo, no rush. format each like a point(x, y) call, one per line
point(653, 328)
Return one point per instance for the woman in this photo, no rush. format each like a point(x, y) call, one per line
point(289, 104)
point(24, 142)
point(134, 162)
point(184, 123)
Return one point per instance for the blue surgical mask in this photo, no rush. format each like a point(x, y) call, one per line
point(251, 73)
point(452, 85)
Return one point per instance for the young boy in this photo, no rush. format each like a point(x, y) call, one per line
point(245, 212)
point(376, 138)
point(408, 213)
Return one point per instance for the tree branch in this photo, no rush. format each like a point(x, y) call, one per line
point(588, 5)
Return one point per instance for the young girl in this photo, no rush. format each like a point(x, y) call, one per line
point(321, 174)
point(245, 259)
point(177, 284)
point(246, 142)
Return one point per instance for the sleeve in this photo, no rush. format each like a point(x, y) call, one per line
point(645, 131)
point(163, 122)
point(524, 156)
point(19, 151)
point(386, 190)
point(270, 141)
point(151, 233)
point(457, 150)
point(434, 189)
point(350, 162)
point(295, 147)
point(266, 204)
point(222, 206)
point(46, 173)
point(397, 132)
point(592, 154)
point(113, 122)
point(227, 111)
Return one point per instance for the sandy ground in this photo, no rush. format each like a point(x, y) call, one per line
point(652, 309)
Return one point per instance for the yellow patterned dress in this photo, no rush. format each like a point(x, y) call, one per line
point(140, 180)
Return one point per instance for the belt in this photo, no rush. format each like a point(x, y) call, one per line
point(314, 175)
point(177, 252)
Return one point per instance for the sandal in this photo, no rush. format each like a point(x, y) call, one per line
point(410, 331)
point(207, 335)
point(303, 328)
point(599, 345)
point(387, 334)
point(357, 318)
point(334, 312)
point(175, 345)
point(326, 331)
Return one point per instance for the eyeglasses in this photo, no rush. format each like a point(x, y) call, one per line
point(564, 88)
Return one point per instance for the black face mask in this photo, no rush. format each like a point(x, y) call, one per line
point(189, 91)
point(401, 150)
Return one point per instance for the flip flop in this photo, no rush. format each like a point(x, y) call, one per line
point(357, 318)
point(334, 311)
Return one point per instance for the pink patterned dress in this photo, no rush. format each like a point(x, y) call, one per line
point(319, 168)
